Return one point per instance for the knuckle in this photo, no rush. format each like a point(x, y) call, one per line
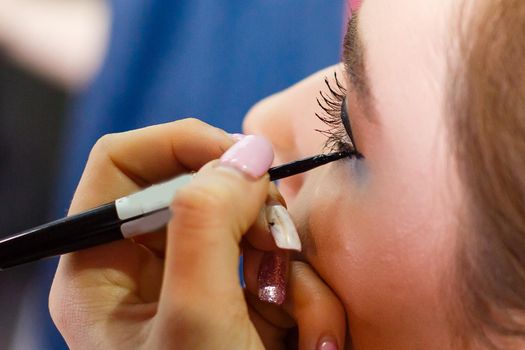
point(189, 314)
point(190, 123)
point(197, 206)
point(195, 198)
point(216, 202)
point(105, 141)
point(317, 294)
point(305, 279)
point(197, 128)
point(103, 146)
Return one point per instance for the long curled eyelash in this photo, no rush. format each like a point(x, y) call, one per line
point(338, 138)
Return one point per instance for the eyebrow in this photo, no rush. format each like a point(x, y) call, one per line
point(354, 62)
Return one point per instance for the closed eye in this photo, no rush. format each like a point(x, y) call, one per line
point(335, 116)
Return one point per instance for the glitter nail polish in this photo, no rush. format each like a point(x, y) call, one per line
point(272, 277)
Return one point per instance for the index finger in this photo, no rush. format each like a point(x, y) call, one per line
point(142, 157)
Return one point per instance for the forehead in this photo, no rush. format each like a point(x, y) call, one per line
point(407, 45)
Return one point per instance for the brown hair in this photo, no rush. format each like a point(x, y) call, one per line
point(487, 98)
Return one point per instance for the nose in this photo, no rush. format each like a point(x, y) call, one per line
point(272, 118)
point(288, 120)
point(269, 118)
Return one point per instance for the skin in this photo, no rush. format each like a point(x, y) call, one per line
point(380, 231)
point(378, 234)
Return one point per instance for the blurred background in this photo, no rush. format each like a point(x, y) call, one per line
point(74, 70)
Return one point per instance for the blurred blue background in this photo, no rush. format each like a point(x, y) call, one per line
point(122, 65)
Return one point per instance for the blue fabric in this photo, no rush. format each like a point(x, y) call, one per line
point(170, 59)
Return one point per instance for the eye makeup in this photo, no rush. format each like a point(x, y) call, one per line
point(345, 119)
point(335, 117)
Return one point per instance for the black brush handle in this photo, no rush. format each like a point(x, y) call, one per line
point(93, 227)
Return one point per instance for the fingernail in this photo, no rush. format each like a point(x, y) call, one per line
point(253, 155)
point(282, 227)
point(272, 277)
point(237, 137)
point(327, 343)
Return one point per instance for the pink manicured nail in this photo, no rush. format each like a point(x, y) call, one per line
point(327, 344)
point(272, 277)
point(253, 155)
point(237, 137)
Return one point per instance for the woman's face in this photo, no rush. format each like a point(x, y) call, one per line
point(380, 230)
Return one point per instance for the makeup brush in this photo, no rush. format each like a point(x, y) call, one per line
point(136, 214)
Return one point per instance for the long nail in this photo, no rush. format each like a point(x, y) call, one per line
point(253, 155)
point(327, 343)
point(272, 277)
point(282, 227)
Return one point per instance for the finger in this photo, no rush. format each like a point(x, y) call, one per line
point(119, 164)
point(310, 302)
point(154, 241)
point(271, 336)
point(259, 235)
point(273, 314)
point(122, 163)
point(210, 216)
point(263, 279)
point(149, 155)
point(317, 310)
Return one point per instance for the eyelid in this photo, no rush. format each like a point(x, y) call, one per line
point(346, 121)
point(333, 104)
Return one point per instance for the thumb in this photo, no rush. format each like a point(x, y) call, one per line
point(210, 216)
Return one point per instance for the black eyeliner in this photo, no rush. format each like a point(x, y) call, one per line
point(346, 123)
point(126, 217)
point(303, 165)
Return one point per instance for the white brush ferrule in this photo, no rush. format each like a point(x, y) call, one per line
point(151, 199)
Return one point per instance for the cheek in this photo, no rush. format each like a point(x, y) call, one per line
point(325, 217)
point(378, 257)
